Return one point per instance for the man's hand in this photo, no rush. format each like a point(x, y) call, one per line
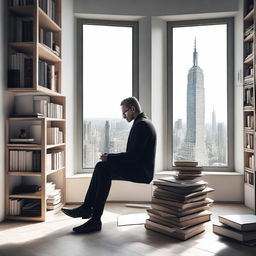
point(104, 157)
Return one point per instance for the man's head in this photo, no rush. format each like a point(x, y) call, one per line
point(130, 108)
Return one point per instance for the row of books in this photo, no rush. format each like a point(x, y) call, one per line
point(248, 80)
point(37, 105)
point(249, 121)
point(249, 177)
point(43, 106)
point(251, 162)
point(241, 227)
point(248, 97)
point(25, 161)
point(249, 141)
point(248, 49)
point(55, 160)
point(47, 77)
point(248, 72)
point(47, 38)
point(53, 196)
point(49, 7)
point(179, 204)
point(24, 207)
point(15, 206)
point(249, 31)
point(54, 136)
point(21, 2)
point(20, 72)
point(22, 29)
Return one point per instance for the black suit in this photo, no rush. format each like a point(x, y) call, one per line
point(136, 164)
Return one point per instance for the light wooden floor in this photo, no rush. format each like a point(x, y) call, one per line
point(55, 237)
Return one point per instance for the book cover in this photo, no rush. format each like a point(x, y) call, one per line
point(182, 234)
point(182, 222)
point(242, 222)
point(227, 231)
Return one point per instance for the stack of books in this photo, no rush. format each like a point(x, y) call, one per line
point(53, 196)
point(179, 204)
point(241, 227)
point(31, 208)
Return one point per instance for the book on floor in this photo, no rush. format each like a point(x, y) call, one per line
point(171, 181)
point(182, 234)
point(182, 190)
point(179, 205)
point(242, 222)
point(188, 221)
point(227, 231)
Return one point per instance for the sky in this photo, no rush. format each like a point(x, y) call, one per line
point(107, 68)
point(211, 44)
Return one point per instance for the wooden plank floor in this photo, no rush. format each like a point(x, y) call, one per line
point(55, 237)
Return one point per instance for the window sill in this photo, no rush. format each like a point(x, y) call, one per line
point(160, 174)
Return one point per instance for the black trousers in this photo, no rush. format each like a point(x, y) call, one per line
point(100, 184)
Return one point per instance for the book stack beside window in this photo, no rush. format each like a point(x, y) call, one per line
point(241, 227)
point(53, 196)
point(179, 204)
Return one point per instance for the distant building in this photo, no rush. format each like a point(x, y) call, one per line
point(107, 139)
point(194, 147)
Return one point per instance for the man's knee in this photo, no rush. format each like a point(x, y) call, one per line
point(101, 168)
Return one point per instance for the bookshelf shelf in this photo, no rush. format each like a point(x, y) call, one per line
point(36, 195)
point(36, 91)
point(25, 146)
point(24, 218)
point(249, 92)
point(46, 22)
point(34, 76)
point(54, 171)
point(25, 174)
point(55, 145)
point(249, 38)
point(249, 60)
point(47, 54)
point(249, 16)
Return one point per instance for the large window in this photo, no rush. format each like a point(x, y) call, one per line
point(201, 82)
point(109, 74)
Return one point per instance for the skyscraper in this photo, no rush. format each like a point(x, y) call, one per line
point(194, 147)
point(106, 141)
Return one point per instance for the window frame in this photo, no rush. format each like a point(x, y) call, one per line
point(79, 95)
point(230, 86)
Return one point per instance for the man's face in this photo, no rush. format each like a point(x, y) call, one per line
point(128, 113)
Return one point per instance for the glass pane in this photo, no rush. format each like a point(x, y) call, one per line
point(200, 94)
point(107, 79)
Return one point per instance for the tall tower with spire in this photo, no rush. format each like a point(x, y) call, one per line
point(194, 147)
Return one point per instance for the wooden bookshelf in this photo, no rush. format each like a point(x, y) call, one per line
point(36, 163)
point(249, 102)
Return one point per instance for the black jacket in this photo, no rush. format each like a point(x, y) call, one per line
point(138, 161)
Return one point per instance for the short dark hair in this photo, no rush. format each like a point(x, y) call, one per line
point(131, 101)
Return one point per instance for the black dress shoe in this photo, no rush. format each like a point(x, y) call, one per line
point(78, 212)
point(88, 227)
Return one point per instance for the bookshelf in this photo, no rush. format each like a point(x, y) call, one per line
point(36, 129)
point(249, 106)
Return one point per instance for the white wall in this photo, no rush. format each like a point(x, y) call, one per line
point(127, 191)
point(68, 82)
point(159, 88)
point(153, 7)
